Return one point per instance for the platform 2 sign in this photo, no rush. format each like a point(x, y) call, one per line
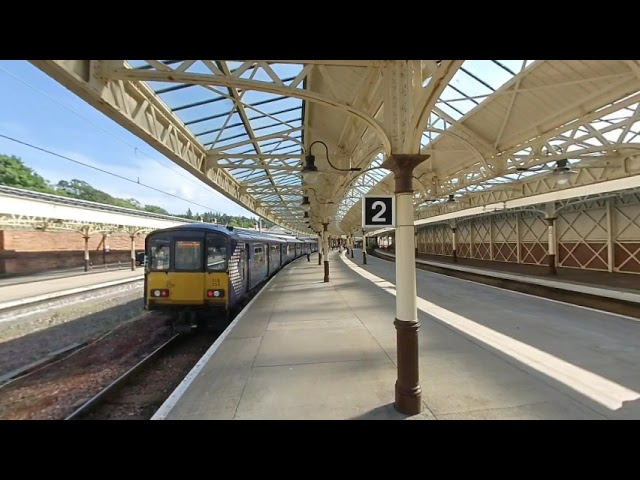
point(378, 211)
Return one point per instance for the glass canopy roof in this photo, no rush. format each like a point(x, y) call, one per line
point(247, 124)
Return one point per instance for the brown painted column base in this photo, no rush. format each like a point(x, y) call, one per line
point(133, 264)
point(86, 265)
point(364, 257)
point(326, 270)
point(552, 264)
point(454, 254)
point(408, 390)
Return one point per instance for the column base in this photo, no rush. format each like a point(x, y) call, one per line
point(408, 402)
point(408, 390)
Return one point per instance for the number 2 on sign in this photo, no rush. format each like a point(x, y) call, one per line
point(377, 216)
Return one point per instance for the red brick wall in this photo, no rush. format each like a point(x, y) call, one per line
point(24, 251)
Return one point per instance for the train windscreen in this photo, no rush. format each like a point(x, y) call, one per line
point(188, 255)
point(159, 253)
point(216, 253)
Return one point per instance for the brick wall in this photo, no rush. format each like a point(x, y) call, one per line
point(32, 251)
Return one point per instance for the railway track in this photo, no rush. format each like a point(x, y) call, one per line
point(58, 385)
point(140, 391)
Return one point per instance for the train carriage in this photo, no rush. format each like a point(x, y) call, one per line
point(201, 272)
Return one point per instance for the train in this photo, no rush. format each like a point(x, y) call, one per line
point(201, 273)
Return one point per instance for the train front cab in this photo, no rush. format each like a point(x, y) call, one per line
point(186, 274)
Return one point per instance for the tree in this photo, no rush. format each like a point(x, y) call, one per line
point(154, 209)
point(82, 190)
point(14, 173)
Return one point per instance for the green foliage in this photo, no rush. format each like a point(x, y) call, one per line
point(154, 209)
point(14, 173)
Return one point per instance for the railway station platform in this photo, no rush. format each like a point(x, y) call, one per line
point(306, 349)
point(24, 290)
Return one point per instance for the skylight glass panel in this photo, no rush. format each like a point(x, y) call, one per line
point(234, 65)
point(286, 120)
point(270, 130)
point(209, 127)
point(254, 97)
point(248, 149)
point(155, 86)
point(515, 66)
point(488, 72)
point(136, 63)
point(449, 110)
point(468, 85)
point(229, 141)
point(208, 110)
point(185, 96)
point(285, 70)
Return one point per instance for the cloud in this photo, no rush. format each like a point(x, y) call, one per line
point(169, 181)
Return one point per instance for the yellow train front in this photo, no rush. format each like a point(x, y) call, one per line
point(200, 272)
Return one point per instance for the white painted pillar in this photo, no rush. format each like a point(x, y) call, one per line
point(325, 244)
point(610, 236)
point(552, 245)
point(408, 390)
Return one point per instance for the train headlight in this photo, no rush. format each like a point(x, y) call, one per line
point(215, 293)
point(160, 293)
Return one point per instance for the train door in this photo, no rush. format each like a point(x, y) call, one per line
point(242, 266)
point(217, 265)
point(186, 281)
point(248, 269)
point(267, 253)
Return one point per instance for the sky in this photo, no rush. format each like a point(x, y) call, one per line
point(35, 109)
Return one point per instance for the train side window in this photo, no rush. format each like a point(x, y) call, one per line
point(259, 254)
point(188, 255)
point(160, 252)
point(216, 253)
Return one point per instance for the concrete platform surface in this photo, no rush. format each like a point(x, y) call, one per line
point(305, 349)
point(43, 288)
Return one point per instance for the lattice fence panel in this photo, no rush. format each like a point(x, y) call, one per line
point(582, 238)
point(463, 234)
point(626, 235)
point(482, 239)
point(505, 240)
point(534, 240)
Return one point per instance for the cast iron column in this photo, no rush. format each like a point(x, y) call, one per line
point(408, 391)
point(454, 244)
point(86, 253)
point(326, 251)
point(551, 257)
point(133, 252)
point(364, 247)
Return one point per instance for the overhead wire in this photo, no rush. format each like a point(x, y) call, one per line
point(136, 149)
point(107, 172)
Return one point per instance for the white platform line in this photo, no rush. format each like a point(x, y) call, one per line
point(600, 389)
point(525, 281)
point(170, 402)
point(64, 293)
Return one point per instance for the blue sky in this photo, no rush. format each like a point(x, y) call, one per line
point(37, 110)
